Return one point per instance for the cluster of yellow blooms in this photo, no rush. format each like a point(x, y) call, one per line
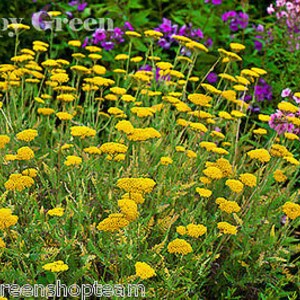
point(144, 116)
point(57, 266)
point(7, 219)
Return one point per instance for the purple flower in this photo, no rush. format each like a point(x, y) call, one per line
point(214, 2)
point(128, 26)
point(99, 36)
point(197, 33)
point(263, 91)
point(229, 15)
point(117, 33)
point(258, 44)
point(208, 43)
point(164, 43)
point(81, 6)
point(212, 77)
point(238, 20)
point(166, 26)
point(107, 45)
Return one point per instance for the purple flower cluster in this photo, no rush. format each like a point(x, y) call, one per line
point(258, 41)
point(279, 120)
point(108, 39)
point(81, 6)
point(288, 17)
point(214, 2)
point(237, 20)
point(262, 92)
point(212, 77)
point(169, 29)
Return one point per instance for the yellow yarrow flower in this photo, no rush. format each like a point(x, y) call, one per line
point(213, 173)
point(2, 245)
point(292, 210)
point(56, 212)
point(165, 160)
point(248, 179)
point(235, 185)
point(237, 47)
point(279, 176)
point(144, 271)
point(204, 192)
point(228, 206)
point(27, 135)
point(136, 185)
point(143, 134)
point(82, 131)
point(25, 153)
point(73, 160)
point(291, 136)
point(179, 246)
point(288, 107)
point(30, 172)
point(129, 209)
point(196, 230)
point(45, 111)
point(92, 150)
point(56, 267)
point(4, 140)
point(226, 228)
point(113, 222)
point(63, 116)
point(7, 219)
point(113, 148)
point(260, 154)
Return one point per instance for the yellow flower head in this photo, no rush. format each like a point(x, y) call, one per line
point(56, 212)
point(204, 192)
point(63, 116)
point(82, 131)
point(113, 148)
point(30, 172)
point(143, 134)
point(25, 153)
point(128, 208)
point(7, 219)
point(56, 267)
point(279, 176)
point(179, 246)
point(248, 179)
point(194, 230)
point(228, 206)
point(260, 154)
point(213, 173)
point(27, 135)
point(292, 210)
point(226, 228)
point(114, 222)
point(235, 185)
point(165, 160)
point(73, 160)
point(144, 271)
point(4, 140)
point(136, 185)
